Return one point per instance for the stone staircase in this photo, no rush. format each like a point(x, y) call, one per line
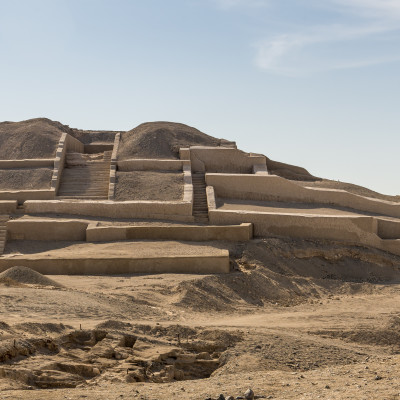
point(3, 232)
point(200, 207)
point(85, 176)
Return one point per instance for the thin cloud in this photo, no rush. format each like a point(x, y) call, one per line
point(228, 4)
point(296, 54)
point(388, 9)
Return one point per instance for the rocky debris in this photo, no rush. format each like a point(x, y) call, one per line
point(249, 394)
point(25, 178)
point(116, 354)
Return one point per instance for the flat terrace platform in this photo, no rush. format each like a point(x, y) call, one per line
point(127, 257)
point(291, 208)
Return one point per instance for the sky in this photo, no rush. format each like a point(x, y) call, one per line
point(307, 82)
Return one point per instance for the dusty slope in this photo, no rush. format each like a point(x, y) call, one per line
point(297, 320)
point(161, 140)
point(34, 138)
point(289, 171)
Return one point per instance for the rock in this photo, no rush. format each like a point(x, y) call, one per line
point(221, 397)
point(230, 398)
point(249, 394)
point(179, 375)
point(204, 356)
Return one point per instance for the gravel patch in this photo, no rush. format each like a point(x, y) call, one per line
point(149, 185)
point(25, 178)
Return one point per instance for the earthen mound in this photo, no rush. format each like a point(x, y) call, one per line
point(161, 140)
point(28, 276)
point(289, 272)
point(38, 328)
point(34, 138)
point(289, 171)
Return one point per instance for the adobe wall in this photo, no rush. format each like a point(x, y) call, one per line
point(349, 229)
point(113, 167)
point(188, 185)
point(22, 195)
point(66, 144)
point(8, 207)
point(28, 163)
point(238, 233)
point(177, 210)
point(388, 229)
point(222, 159)
point(150, 165)
point(37, 229)
point(275, 188)
point(205, 264)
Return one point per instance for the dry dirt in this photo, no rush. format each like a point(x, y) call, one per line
point(161, 140)
point(34, 138)
point(149, 185)
point(25, 178)
point(296, 319)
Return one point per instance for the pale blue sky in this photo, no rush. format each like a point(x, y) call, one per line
point(309, 82)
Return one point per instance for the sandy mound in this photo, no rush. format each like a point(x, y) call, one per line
point(289, 272)
point(289, 171)
point(161, 140)
point(25, 178)
point(28, 276)
point(34, 138)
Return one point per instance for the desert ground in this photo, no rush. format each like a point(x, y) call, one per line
point(295, 320)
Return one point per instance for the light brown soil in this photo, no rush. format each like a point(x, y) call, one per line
point(349, 187)
point(40, 249)
point(34, 138)
point(149, 185)
point(296, 320)
point(25, 178)
point(161, 140)
point(28, 276)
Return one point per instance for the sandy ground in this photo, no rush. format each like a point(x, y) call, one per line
point(294, 320)
point(287, 353)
